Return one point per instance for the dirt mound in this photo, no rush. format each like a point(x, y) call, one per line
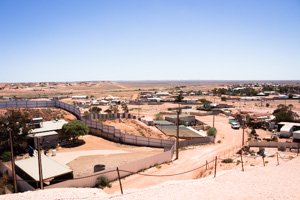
point(134, 127)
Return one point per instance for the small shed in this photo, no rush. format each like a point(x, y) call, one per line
point(53, 172)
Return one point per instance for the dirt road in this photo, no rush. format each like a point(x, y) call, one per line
point(188, 159)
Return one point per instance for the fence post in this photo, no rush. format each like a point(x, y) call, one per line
point(206, 165)
point(277, 159)
point(242, 161)
point(120, 180)
point(263, 158)
point(215, 174)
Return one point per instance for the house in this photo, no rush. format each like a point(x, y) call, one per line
point(190, 101)
point(110, 98)
point(251, 98)
point(184, 119)
point(282, 96)
point(103, 102)
point(261, 94)
point(159, 94)
point(48, 132)
point(53, 172)
point(80, 97)
point(286, 129)
point(154, 99)
point(296, 96)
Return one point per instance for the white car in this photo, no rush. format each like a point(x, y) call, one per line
point(235, 125)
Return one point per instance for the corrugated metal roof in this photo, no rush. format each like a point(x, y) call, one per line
point(43, 134)
point(50, 126)
point(289, 123)
point(50, 167)
point(286, 128)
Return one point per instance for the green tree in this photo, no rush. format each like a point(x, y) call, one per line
point(179, 97)
point(124, 107)
point(95, 109)
point(114, 108)
point(212, 132)
point(285, 113)
point(19, 124)
point(73, 130)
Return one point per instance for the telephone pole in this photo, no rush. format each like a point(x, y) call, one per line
point(40, 164)
point(177, 135)
point(243, 136)
point(213, 119)
point(13, 168)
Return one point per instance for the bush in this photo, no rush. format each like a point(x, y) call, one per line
point(267, 105)
point(275, 139)
point(6, 156)
point(227, 160)
point(212, 132)
point(223, 99)
point(281, 148)
point(103, 182)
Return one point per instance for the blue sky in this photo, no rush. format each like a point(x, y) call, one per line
point(71, 40)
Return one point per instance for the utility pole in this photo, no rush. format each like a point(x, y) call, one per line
point(243, 136)
point(214, 115)
point(13, 168)
point(139, 107)
point(40, 164)
point(213, 119)
point(177, 134)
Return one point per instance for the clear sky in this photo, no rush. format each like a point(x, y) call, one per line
point(71, 40)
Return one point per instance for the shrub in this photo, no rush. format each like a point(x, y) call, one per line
point(103, 182)
point(227, 160)
point(212, 132)
point(267, 105)
point(281, 148)
point(158, 166)
point(158, 116)
point(6, 156)
point(223, 98)
point(275, 139)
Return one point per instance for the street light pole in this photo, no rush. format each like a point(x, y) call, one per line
point(13, 168)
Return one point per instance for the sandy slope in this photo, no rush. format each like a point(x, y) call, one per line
point(273, 182)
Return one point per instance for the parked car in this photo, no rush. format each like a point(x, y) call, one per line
point(235, 125)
